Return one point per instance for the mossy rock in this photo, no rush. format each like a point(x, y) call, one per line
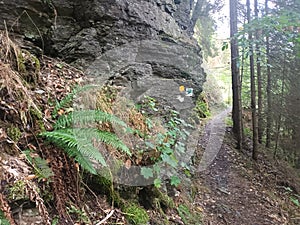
point(135, 214)
point(29, 66)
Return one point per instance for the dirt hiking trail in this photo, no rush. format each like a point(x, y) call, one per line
point(233, 189)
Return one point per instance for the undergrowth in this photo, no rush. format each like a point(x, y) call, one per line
point(78, 134)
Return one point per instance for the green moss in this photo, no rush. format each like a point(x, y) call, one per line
point(17, 191)
point(202, 108)
point(21, 63)
point(165, 199)
point(135, 214)
point(38, 118)
point(14, 133)
point(32, 70)
point(3, 220)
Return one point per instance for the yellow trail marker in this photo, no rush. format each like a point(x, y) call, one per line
point(181, 88)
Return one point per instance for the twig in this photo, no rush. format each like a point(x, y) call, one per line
point(106, 218)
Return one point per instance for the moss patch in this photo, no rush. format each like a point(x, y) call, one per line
point(14, 133)
point(135, 214)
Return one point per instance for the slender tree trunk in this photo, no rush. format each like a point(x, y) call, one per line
point(279, 121)
point(236, 82)
point(253, 88)
point(269, 86)
point(243, 56)
point(259, 81)
point(195, 15)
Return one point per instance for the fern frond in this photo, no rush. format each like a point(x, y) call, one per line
point(102, 136)
point(114, 141)
point(84, 117)
point(67, 139)
point(68, 99)
point(83, 161)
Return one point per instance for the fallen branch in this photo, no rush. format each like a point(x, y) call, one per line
point(106, 218)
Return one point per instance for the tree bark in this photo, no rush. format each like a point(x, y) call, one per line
point(236, 82)
point(269, 86)
point(259, 81)
point(253, 88)
point(196, 13)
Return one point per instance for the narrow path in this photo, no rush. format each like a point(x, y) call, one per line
point(214, 136)
point(227, 194)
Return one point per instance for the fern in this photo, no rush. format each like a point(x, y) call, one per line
point(73, 133)
point(68, 99)
point(84, 117)
point(78, 143)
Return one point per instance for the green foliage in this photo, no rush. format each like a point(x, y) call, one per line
point(151, 103)
point(147, 172)
point(201, 107)
point(73, 132)
point(14, 133)
point(17, 191)
point(3, 220)
point(247, 131)
point(55, 221)
point(175, 181)
point(169, 145)
point(81, 215)
point(68, 99)
point(157, 183)
point(295, 201)
point(294, 198)
point(42, 170)
point(135, 214)
point(187, 216)
point(225, 45)
point(86, 117)
point(228, 121)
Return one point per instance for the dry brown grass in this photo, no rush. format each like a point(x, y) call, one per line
point(15, 94)
point(8, 49)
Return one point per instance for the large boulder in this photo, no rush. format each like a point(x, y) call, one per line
point(110, 38)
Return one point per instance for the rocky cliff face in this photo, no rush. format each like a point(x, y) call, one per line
point(134, 40)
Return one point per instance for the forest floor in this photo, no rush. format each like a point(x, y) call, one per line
point(237, 190)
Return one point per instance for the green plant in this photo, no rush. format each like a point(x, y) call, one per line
point(75, 133)
point(228, 121)
point(201, 107)
point(3, 220)
point(68, 99)
point(81, 215)
point(55, 221)
point(187, 216)
point(14, 133)
point(18, 191)
point(42, 170)
point(135, 214)
point(169, 145)
point(294, 198)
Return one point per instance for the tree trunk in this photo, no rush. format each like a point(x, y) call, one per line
point(269, 86)
point(259, 81)
point(236, 82)
point(195, 15)
point(253, 89)
point(279, 120)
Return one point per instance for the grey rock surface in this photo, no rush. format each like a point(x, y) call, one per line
point(117, 40)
